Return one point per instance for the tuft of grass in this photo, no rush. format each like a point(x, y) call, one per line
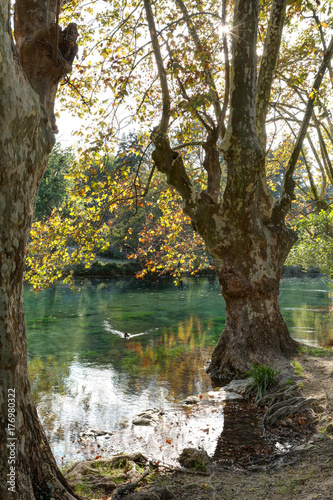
point(102, 469)
point(264, 376)
point(200, 465)
point(83, 489)
point(298, 368)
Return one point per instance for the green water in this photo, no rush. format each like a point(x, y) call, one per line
point(85, 374)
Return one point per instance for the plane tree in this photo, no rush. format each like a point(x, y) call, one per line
point(205, 80)
point(205, 96)
point(30, 71)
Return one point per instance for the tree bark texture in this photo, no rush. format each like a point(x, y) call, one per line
point(27, 468)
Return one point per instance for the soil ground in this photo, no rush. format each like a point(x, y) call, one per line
point(257, 474)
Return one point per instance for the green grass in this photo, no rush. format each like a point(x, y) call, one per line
point(83, 489)
point(320, 352)
point(298, 368)
point(264, 376)
point(200, 466)
point(102, 468)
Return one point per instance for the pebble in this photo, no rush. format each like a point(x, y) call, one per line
point(143, 421)
point(191, 400)
point(148, 417)
point(238, 385)
point(92, 433)
point(232, 396)
point(304, 447)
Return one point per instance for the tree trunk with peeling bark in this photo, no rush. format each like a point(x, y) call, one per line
point(249, 250)
point(246, 232)
point(28, 469)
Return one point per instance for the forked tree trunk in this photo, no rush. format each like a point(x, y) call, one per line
point(245, 232)
point(248, 247)
point(27, 468)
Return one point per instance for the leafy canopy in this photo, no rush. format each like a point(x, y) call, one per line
point(115, 83)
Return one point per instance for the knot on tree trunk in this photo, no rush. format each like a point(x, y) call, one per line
point(235, 285)
point(46, 56)
point(163, 156)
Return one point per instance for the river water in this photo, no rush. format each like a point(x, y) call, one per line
point(86, 374)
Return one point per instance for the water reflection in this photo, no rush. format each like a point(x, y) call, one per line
point(85, 374)
point(306, 305)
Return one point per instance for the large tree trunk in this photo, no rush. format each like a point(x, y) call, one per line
point(27, 468)
point(255, 331)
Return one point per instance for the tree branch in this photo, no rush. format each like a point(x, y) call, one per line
point(242, 120)
point(56, 41)
point(321, 167)
point(325, 155)
point(323, 41)
point(212, 161)
point(267, 66)
point(282, 205)
point(164, 123)
point(182, 88)
point(188, 144)
point(209, 77)
point(220, 125)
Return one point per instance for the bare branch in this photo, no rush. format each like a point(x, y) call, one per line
point(323, 41)
point(320, 165)
point(317, 198)
point(325, 155)
point(267, 66)
point(188, 144)
point(282, 205)
point(164, 123)
point(209, 77)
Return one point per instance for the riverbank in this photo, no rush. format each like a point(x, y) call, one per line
point(305, 472)
point(117, 268)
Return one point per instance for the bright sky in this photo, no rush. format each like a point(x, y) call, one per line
point(67, 124)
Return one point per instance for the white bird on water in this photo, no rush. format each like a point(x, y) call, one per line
point(124, 335)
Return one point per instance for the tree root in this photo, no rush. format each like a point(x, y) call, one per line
point(285, 408)
point(101, 474)
point(129, 486)
point(185, 470)
point(152, 493)
point(272, 398)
